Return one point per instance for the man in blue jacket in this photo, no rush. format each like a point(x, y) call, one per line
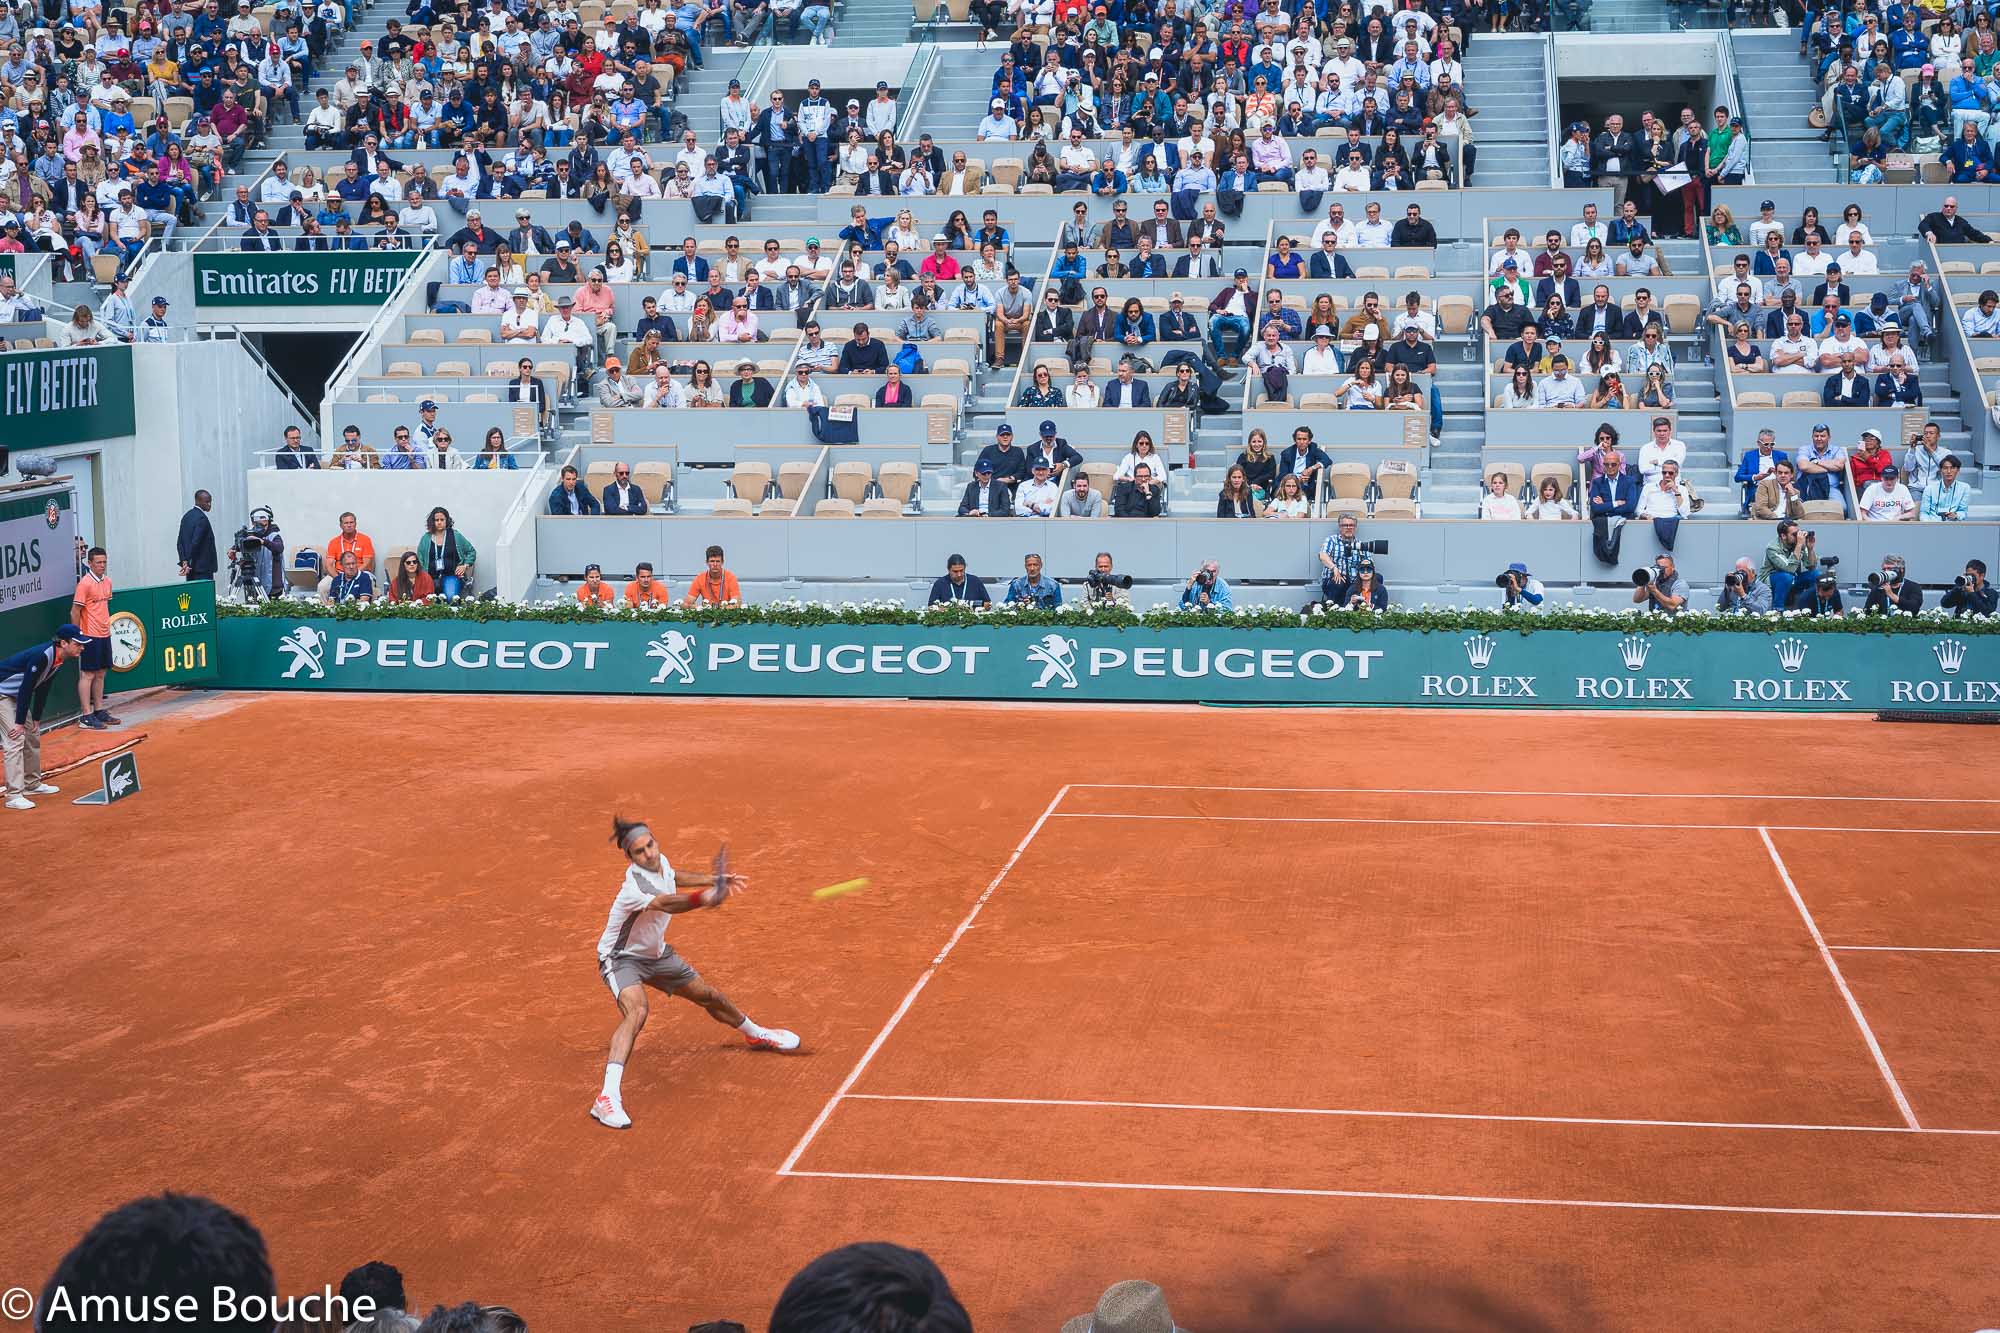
point(1614, 498)
point(25, 679)
point(1756, 464)
point(570, 498)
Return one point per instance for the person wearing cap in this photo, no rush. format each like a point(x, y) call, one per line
point(25, 680)
point(997, 125)
point(155, 328)
point(986, 496)
point(1229, 316)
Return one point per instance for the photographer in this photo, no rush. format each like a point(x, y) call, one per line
point(1890, 583)
point(1105, 589)
point(1206, 590)
point(1340, 559)
point(256, 556)
point(1824, 597)
point(1971, 594)
point(1660, 588)
point(1742, 590)
point(1519, 587)
point(1786, 560)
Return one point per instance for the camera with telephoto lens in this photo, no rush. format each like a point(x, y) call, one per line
point(1102, 583)
point(1733, 579)
point(1374, 547)
point(1959, 582)
point(1506, 578)
point(1641, 577)
point(1827, 563)
point(1204, 579)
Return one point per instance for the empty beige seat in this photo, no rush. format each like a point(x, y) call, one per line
point(403, 370)
point(1396, 478)
point(1800, 398)
point(898, 482)
point(750, 481)
point(1347, 481)
point(1955, 266)
point(482, 398)
point(1412, 271)
point(426, 337)
point(500, 370)
point(1824, 510)
point(833, 506)
point(1379, 272)
point(851, 399)
point(382, 398)
point(453, 369)
point(1754, 399)
point(952, 365)
point(1358, 508)
point(879, 508)
point(732, 509)
point(938, 402)
point(1388, 507)
point(652, 479)
point(1315, 402)
point(1683, 312)
point(852, 480)
point(475, 336)
point(778, 508)
point(792, 477)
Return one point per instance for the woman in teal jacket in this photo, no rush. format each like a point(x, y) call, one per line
point(446, 555)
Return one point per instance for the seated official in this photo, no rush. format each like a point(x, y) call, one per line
point(352, 583)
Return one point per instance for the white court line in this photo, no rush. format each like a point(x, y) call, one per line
point(1413, 1115)
point(861, 1066)
point(1397, 1195)
point(1853, 1006)
point(1899, 948)
point(1475, 791)
point(1522, 823)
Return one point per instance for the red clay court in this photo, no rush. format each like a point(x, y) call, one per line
point(1624, 1023)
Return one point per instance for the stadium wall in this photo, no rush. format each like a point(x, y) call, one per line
point(1787, 666)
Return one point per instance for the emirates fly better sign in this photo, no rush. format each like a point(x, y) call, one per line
point(296, 278)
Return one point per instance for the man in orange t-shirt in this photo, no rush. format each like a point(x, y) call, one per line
point(91, 610)
point(594, 591)
point(644, 589)
point(717, 587)
point(349, 538)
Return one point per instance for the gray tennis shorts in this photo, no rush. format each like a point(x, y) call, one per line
point(668, 972)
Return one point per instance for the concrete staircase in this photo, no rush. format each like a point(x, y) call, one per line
point(959, 93)
point(872, 23)
point(1504, 79)
point(1778, 93)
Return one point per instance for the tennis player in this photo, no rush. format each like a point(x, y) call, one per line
point(634, 954)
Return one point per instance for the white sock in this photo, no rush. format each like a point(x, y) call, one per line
point(614, 1074)
point(749, 1028)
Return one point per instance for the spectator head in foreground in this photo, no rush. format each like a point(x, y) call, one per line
point(379, 1282)
point(873, 1287)
point(1126, 1307)
point(162, 1247)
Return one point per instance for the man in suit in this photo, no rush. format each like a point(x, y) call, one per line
point(795, 293)
point(1162, 228)
point(260, 237)
point(1614, 157)
point(1602, 315)
point(196, 543)
point(1304, 458)
point(1848, 388)
point(1146, 264)
point(1177, 325)
point(1140, 496)
point(756, 292)
point(984, 496)
point(1832, 284)
point(1328, 262)
point(570, 498)
point(1125, 391)
point(1054, 450)
point(1053, 322)
point(776, 131)
point(621, 496)
point(1614, 498)
point(1199, 262)
point(1094, 325)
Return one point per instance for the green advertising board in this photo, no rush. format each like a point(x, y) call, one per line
point(163, 635)
point(298, 278)
point(1544, 669)
point(65, 396)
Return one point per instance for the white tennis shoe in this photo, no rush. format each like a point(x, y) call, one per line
point(609, 1113)
point(44, 789)
point(775, 1039)
point(19, 803)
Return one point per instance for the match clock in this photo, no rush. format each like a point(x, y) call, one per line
point(128, 640)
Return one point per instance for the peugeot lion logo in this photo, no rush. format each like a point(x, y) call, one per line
point(1950, 655)
point(676, 653)
point(1479, 651)
point(1791, 654)
point(1057, 656)
point(1633, 648)
point(307, 646)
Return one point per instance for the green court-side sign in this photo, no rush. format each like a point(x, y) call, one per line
point(292, 278)
point(163, 635)
point(1546, 669)
point(65, 396)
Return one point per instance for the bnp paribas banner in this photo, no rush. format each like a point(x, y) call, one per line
point(1549, 669)
point(294, 277)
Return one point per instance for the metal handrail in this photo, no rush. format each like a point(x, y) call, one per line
point(390, 308)
point(224, 333)
point(920, 74)
point(1725, 58)
point(531, 485)
point(1551, 117)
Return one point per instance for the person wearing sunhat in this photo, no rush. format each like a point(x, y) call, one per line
point(1132, 1306)
point(25, 681)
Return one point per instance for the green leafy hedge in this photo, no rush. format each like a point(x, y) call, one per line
point(1445, 620)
